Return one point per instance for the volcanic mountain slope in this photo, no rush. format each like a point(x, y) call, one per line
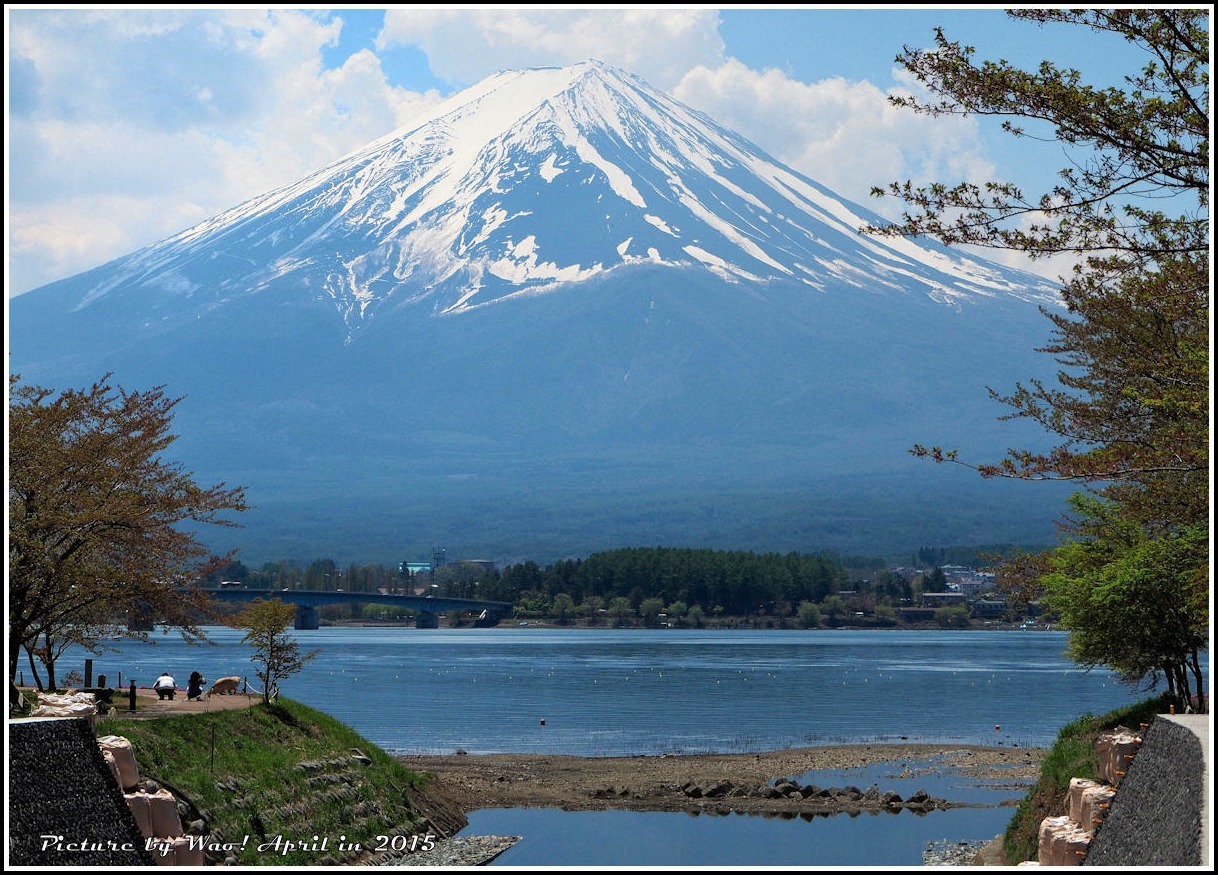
point(565, 309)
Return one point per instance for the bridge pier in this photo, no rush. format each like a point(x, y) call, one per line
point(427, 620)
point(307, 618)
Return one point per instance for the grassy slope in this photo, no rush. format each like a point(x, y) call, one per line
point(285, 770)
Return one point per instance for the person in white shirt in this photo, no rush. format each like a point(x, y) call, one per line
point(164, 686)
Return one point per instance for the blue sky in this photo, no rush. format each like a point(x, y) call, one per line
point(128, 124)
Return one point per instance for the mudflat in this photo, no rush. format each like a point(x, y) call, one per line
point(666, 783)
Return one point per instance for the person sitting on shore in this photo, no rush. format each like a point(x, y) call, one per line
point(165, 686)
point(194, 687)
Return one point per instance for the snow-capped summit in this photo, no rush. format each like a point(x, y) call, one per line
point(534, 180)
point(673, 306)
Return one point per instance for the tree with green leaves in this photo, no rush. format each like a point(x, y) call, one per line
point(101, 523)
point(276, 653)
point(808, 615)
point(1127, 596)
point(1131, 412)
point(562, 608)
point(619, 610)
point(1133, 340)
point(650, 610)
point(1131, 150)
point(833, 608)
point(590, 609)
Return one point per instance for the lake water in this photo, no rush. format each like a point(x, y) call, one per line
point(622, 692)
point(615, 692)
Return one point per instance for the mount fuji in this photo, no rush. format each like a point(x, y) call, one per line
point(564, 312)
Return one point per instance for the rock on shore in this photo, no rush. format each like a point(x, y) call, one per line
point(461, 851)
point(950, 853)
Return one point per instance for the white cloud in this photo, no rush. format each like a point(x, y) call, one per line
point(467, 45)
point(845, 135)
point(134, 126)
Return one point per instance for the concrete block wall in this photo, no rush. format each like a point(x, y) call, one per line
point(1061, 842)
point(1089, 802)
point(155, 811)
point(1149, 809)
point(1116, 750)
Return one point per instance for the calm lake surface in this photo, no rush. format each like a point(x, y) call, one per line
point(623, 692)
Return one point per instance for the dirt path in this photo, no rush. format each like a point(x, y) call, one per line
point(662, 783)
point(148, 705)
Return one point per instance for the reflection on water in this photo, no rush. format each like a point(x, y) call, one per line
point(628, 838)
point(894, 837)
point(934, 775)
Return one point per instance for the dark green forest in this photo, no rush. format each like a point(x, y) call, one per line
point(723, 582)
point(684, 586)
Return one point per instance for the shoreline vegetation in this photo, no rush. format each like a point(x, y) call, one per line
point(782, 624)
point(668, 587)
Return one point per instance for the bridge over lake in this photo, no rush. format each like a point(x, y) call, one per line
point(428, 607)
